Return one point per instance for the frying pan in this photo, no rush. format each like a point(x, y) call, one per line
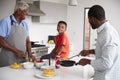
point(67, 63)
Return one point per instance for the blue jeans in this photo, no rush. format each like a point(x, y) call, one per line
point(48, 56)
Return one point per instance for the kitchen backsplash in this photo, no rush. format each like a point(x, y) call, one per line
point(40, 32)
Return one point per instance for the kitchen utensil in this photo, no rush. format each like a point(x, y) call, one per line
point(86, 57)
point(33, 42)
point(67, 63)
point(74, 56)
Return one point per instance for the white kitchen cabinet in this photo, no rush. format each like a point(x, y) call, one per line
point(54, 12)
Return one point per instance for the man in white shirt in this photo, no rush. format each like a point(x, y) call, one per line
point(107, 52)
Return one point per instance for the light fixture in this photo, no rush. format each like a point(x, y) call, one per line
point(73, 3)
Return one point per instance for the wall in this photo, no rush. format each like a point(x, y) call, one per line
point(53, 12)
point(6, 7)
point(75, 18)
point(39, 32)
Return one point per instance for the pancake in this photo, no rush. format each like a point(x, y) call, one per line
point(48, 72)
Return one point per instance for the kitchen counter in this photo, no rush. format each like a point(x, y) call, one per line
point(64, 73)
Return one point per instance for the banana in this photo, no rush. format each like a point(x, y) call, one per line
point(51, 42)
point(15, 65)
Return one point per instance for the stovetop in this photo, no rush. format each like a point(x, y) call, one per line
point(38, 45)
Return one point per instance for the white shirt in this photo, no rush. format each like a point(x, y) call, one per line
point(107, 62)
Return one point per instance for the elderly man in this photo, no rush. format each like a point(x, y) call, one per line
point(107, 52)
point(14, 37)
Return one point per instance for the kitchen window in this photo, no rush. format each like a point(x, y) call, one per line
point(90, 35)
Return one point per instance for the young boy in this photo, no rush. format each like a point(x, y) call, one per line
point(61, 43)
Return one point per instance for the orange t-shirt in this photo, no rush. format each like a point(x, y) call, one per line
point(62, 39)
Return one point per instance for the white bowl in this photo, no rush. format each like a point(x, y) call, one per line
point(28, 65)
point(39, 64)
point(46, 62)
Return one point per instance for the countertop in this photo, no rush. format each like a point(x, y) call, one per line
point(64, 73)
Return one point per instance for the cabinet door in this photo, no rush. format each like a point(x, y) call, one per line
point(54, 12)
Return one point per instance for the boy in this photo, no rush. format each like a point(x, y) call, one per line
point(61, 44)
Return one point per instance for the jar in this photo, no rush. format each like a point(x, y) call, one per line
point(57, 61)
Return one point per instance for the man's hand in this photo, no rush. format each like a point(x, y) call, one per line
point(31, 57)
point(20, 54)
point(84, 62)
point(84, 52)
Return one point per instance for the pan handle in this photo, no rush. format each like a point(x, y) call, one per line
point(74, 56)
point(77, 63)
